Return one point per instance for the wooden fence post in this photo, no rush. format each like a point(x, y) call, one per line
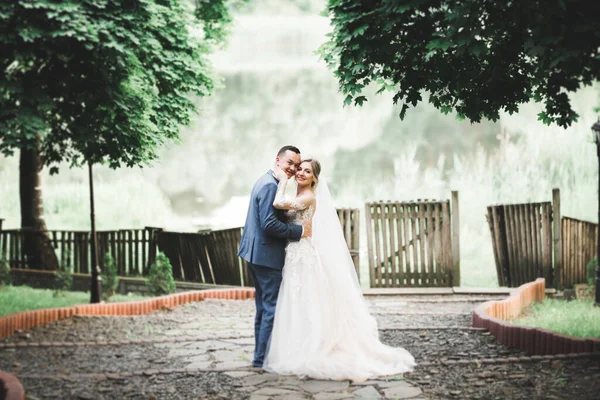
point(556, 218)
point(372, 282)
point(455, 240)
point(152, 233)
point(356, 239)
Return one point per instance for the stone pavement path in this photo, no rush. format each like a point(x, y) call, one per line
point(203, 351)
point(234, 354)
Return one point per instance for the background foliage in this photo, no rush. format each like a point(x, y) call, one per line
point(473, 57)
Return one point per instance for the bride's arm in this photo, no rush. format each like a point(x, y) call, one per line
point(298, 203)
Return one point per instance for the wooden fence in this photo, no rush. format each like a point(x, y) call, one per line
point(350, 221)
point(207, 257)
point(12, 246)
point(413, 243)
point(133, 250)
point(211, 256)
point(526, 239)
point(579, 246)
point(522, 242)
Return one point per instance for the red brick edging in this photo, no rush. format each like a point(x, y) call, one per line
point(30, 319)
point(495, 316)
point(12, 388)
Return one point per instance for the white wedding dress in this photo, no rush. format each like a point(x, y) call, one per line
point(323, 328)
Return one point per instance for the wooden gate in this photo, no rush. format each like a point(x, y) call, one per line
point(579, 247)
point(526, 245)
point(522, 241)
point(413, 243)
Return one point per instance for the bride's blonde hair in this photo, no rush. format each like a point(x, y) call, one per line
point(315, 165)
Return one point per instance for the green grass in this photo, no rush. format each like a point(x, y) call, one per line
point(576, 318)
point(23, 298)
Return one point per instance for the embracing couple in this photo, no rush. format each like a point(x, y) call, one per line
point(311, 318)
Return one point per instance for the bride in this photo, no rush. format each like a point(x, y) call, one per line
point(323, 328)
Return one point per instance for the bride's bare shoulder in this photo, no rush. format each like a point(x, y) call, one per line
point(309, 198)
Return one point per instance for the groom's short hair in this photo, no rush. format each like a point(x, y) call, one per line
point(286, 148)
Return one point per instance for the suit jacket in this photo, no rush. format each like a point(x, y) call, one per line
point(265, 235)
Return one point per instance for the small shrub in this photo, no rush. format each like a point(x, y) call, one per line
point(63, 280)
point(5, 279)
point(160, 280)
point(591, 271)
point(110, 280)
point(591, 276)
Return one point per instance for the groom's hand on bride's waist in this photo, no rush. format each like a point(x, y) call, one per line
point(307, 229)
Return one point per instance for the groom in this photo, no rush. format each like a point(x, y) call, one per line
point(263, 246)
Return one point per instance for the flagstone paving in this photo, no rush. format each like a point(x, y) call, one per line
point(203, 351)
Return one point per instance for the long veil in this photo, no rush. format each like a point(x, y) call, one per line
point(328, 239)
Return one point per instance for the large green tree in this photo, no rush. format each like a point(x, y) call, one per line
point(473, 57)
point(98, 81)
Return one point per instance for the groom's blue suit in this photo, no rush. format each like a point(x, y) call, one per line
point(263, 246)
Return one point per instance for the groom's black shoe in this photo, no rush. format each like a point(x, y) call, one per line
point(257, 365)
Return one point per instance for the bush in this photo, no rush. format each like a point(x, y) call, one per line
point(591, 275)
point(160, 281)
point(591, 271)
point(110, 280)
point(64, 278)
point(5, 278)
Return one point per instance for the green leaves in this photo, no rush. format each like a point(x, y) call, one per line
point(441, 44)
point(359, 31)
point(473, 57)
point(478, 49)
point(360, 100)
point(544, 118)
point(104, 81)
point(215, 18)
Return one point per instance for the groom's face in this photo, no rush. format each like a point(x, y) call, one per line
point(288, 162)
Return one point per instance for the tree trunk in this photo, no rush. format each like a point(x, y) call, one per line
point(37, 248)
point(96, 281)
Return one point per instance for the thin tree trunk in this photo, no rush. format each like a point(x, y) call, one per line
point(96, 282)
point(37, 247)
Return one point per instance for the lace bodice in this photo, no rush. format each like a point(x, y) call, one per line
point(300, 216)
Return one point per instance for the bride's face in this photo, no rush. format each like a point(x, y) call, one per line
point(304, 175)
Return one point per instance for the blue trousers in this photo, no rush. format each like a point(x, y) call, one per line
point(266, 282)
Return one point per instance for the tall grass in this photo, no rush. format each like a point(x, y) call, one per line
point(126, 198)
point(532, 159)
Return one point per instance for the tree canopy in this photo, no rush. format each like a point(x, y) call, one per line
point(103, 80)
point(473, 57)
